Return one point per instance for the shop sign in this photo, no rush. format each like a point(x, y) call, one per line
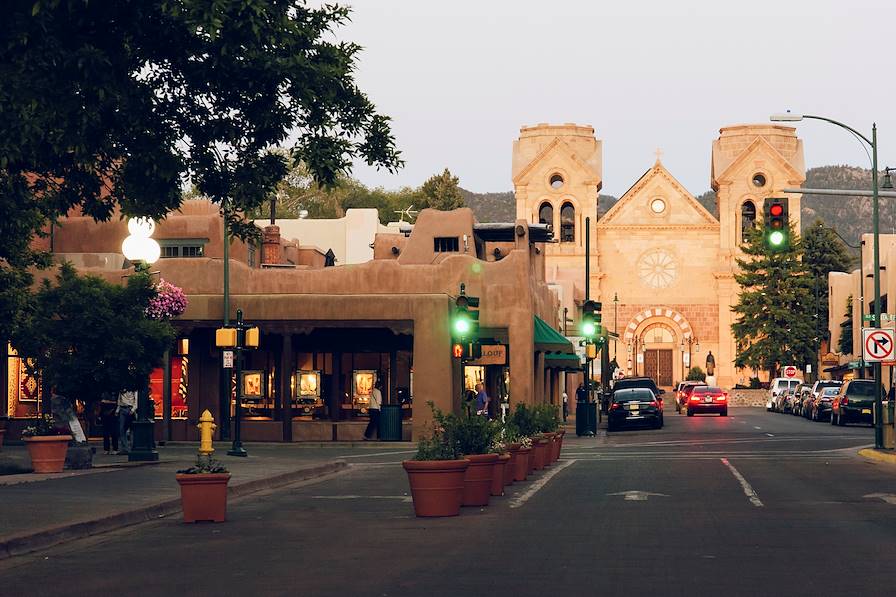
point(830, 359)
point(492, 354)
point(228, 359)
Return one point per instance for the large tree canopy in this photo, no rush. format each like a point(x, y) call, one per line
point(823, 253)
point(106, 104)
point(87, 336)
point(774, 322)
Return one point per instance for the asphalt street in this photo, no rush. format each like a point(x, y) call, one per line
point(750, 504)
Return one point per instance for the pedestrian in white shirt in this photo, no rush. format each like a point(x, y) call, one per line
point(373, 410)
point(127, 407)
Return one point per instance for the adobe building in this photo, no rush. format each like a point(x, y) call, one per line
point(329, 332)
point(856, 288)
point(661, 264)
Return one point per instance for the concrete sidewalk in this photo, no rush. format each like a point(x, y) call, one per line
point(43, 510)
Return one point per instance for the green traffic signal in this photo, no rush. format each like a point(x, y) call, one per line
point(461, 325)
point(776, 238)
point(588, 329)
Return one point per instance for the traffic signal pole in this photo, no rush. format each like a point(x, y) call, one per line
point(587, 366)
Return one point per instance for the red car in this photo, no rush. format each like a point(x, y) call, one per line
point(708, 399)
point(684, 392)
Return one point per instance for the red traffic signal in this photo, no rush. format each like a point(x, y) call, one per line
point(776, 210)
point(457, 351)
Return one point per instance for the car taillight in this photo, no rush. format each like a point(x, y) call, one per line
point(695, 398)
point(654, 403)
point(614, 406)
point(721, 397)
point(844, 400)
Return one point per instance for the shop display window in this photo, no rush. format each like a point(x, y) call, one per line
point(23, 391)
point(362, 388)
point(307, 401)
point(256, 399)
point(179, 369)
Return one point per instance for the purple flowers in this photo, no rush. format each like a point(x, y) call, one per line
point(170, 301)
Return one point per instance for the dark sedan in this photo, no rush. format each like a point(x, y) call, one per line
point(709, 400)
point(635, 406)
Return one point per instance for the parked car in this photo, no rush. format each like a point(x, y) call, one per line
point(682, 391)
point(776, 387)
point(708, 399)
point(810, 406)
point(634, 406)
point(854, 402)
point(821, 406)
point(785, 400)
point(803, 391)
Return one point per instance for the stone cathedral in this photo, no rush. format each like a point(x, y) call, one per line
point(661, 264)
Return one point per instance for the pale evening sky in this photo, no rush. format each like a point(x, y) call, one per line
point(459, 79)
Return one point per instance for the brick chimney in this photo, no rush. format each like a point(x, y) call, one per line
point(271, 251)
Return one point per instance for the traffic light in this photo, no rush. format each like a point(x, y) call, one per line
point(777, 228)
point(466, 351)
point(465, 319)
point(591, 317)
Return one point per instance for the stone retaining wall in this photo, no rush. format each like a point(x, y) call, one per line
point(747, 397)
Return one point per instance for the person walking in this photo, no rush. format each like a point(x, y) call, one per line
point(581, 393)
point(481, 400)
point(108, 407)
point(565, 405)
point(373, 410)
point(127, 406)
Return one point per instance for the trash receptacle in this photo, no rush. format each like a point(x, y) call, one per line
point(889, 431)
point(390, 423)
point(586, 418)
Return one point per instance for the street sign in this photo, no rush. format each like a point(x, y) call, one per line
point(228, 359)
point(790, 371)
point(877, 344)
point(809, 368)
point(883, 317)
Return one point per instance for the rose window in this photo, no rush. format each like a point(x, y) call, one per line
point(657, 269)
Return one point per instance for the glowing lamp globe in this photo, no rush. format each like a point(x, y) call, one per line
point(142, 227)
point(138, 246)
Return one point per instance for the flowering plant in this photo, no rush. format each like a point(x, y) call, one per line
point(525, 441)
point(44, 426)
point(170, 301)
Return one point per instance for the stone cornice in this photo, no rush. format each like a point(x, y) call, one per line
point(712, 227)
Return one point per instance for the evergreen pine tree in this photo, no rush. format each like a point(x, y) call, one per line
point(774, 324)
point(844, 345)
point(823, 252)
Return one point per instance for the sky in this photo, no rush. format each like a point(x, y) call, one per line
point(460, 78)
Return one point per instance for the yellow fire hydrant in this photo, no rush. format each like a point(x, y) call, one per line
point(206, 429)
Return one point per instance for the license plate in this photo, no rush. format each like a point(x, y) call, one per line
point(866, 411)
point(633, 409)
point(707, 399)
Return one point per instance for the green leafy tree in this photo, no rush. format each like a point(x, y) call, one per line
point(442, 191)
point(823, 252)
point(109, 105)
point(86, 336)
point(774, 323)
point(695, 374)
point(844, 344)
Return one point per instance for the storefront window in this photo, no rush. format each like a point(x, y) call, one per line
point(23, 390)
point(179, 367)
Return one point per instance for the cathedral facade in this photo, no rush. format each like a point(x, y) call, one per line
point(661, 264)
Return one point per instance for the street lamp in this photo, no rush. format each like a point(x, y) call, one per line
point(788, 117)
point(142, 251)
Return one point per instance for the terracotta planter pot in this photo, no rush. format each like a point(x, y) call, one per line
point(478, 479)
point(508, 469)
point(539, 450)
point(204, 496)
point(437, 486)
point(48, 452)
point(521, 466)
point(555, 448)
point(498, 474)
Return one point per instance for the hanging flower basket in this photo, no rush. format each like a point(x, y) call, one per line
point(169, 302)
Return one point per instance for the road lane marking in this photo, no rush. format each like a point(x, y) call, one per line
point(770, 434)
point(755, 427)
point(521, 499)
point(886, 497)
point(379, 454)
point(637, 496)
point(748, 490)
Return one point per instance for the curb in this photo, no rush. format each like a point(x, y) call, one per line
point(45, 538)
point(878, 455)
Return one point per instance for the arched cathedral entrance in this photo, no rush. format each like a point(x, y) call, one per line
point(659, 345)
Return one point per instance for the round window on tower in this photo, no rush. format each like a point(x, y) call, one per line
point(556, 181)
point(657, 206)
point(759, 180)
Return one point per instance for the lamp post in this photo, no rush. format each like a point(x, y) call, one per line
point(691, 341)
point(788, 117)
point(615, 320)
point(238, 337)
point(142, 251)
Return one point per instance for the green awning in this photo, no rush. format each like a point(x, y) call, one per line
point(549, 340)
point(564, 361)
